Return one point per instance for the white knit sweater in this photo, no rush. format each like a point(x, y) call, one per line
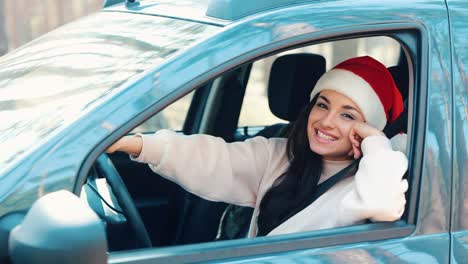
point(241, 173)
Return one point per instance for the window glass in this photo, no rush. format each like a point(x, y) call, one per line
point(171, 117)
point(255, 110)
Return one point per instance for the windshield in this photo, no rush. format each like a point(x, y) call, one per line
point(50, 82)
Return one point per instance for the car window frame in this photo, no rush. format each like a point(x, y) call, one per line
point(413, 38)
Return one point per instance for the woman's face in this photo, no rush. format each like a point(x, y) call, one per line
point(329, 124)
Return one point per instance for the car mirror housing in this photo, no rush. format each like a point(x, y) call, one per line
point(59, 228)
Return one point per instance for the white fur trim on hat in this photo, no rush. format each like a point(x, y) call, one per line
point(358, 90)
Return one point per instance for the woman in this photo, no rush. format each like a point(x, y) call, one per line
point(350, 106)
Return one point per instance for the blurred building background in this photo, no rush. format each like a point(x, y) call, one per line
point(24, 20)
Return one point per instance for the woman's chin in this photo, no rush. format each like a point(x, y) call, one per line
point(320, 149)
point(328, 152)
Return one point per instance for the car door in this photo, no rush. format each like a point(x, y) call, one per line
point(459, 224)
point(423, 234)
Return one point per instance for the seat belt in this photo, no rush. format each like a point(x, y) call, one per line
point(330, 182)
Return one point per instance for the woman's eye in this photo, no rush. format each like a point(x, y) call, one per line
point(322, 105)
point(348, 116)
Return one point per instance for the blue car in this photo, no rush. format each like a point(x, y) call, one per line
point(234, 69)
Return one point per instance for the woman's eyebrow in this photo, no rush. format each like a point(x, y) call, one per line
point(348, 107)
point(324, 98)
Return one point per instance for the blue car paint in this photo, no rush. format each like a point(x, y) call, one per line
point(58, 163)
point(458, 11)
point(186, 10)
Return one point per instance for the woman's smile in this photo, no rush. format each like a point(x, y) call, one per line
point(324, 137)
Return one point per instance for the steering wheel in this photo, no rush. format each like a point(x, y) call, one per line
point(108, 170)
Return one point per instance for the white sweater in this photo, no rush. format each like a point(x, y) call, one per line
point(241, 173)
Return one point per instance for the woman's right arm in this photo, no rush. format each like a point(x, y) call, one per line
point(204, 165)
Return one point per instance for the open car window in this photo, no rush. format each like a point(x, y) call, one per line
point(188, 219)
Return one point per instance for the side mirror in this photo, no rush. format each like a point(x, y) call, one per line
point(59, 228)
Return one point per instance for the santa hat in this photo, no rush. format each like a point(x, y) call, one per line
point(369, 84)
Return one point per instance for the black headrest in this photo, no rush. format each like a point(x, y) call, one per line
point(400, 75)
point(292, 78)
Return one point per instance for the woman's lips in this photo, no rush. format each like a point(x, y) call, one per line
point(324, 137)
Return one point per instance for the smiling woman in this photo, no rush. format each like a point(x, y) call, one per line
point(277, 177)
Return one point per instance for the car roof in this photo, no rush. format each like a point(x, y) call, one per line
point(220, 12)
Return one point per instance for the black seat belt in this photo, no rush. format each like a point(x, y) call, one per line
point(330, 182)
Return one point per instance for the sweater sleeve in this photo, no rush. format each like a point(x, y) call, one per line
point(208, 166)
point(379, 191)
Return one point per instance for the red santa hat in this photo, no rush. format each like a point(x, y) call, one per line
point(369, 84)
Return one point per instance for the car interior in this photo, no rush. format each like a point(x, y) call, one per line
point(129, 197)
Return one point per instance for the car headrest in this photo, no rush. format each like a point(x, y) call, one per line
point(400, 75)
point(292, 78)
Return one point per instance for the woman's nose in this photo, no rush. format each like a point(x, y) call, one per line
point(328, 120)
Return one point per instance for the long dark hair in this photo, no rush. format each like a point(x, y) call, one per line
point(291, 192)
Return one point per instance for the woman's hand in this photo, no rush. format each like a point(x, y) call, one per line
point(358, 133)
point(129, 144)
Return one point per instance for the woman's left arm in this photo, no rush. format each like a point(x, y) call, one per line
point(379, 179)
point(379, 185)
